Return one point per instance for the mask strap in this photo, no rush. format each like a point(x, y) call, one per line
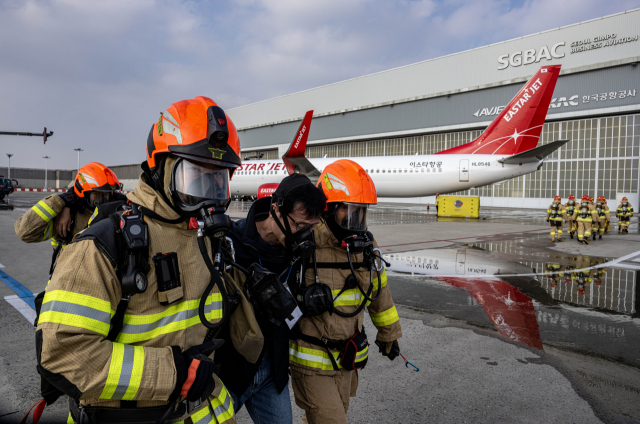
point(287, 232)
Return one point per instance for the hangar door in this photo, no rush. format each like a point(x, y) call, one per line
point(464, 170)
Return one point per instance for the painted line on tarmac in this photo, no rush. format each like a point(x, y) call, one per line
point(22, 292)
point(498, 276)
point(1, 266)
point(22, 307)
point(463, 238)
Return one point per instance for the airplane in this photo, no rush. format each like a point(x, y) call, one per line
point(505, 150)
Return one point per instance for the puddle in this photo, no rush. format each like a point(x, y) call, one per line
point(531, 302)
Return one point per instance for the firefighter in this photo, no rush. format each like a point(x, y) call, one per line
point(119, 328)
point(624, 212)
point(570, 208)
point(345, 275)
point(437, 202)
point(555, 215)
point(584, 216)
point(557, 273)
point(59, 217)
point(603, 216)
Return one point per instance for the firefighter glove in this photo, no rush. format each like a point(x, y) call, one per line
point(389, 349)
point(195, 371)
point(69, 198)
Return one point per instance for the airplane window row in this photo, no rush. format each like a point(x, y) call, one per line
point(400, 171)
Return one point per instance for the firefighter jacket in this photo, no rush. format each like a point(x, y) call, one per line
point(39, 223)
point(622, 212)
point(569, 208)
point(602, 211)
point(138, 366)
point(303, 355)
point(589, 216)
point(556, 212)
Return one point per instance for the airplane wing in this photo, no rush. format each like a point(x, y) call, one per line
point(534, 155)
point(294, 159)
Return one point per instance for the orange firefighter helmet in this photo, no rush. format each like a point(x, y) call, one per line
point(345, 181)
point(95, 176)
point(196, 129)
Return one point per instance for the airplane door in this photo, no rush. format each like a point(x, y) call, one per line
point(464, 170)
point(461, 258)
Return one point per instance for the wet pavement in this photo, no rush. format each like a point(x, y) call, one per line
point(498, 276)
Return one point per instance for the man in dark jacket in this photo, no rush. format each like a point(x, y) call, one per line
point(262, 386)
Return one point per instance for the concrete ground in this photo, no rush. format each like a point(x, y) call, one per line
point(475, 363)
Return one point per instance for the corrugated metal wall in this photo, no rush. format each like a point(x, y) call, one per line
point(34, 178)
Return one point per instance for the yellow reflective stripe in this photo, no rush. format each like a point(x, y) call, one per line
point(93, 215)
point(76, 310)
point(48, 231)
point(46, 207)
point(353, 297)
point(70, 419)
point(203, 416)
point(41, 214)
point(222, 406)
point(311, 357)
point(138, 328)
point(125, 372)
point(387, 317)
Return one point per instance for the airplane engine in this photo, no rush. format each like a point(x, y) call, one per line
point(266, 190)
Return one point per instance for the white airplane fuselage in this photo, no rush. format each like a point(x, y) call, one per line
point(398, 176)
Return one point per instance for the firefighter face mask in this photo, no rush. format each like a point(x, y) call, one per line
point(195, 186)
point(351, 217)
point(97, 198)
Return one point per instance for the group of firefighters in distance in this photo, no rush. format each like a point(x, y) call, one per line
point(587, 218)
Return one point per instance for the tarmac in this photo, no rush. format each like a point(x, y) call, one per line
point(495, 316)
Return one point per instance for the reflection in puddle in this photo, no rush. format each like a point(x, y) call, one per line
point(529, 293)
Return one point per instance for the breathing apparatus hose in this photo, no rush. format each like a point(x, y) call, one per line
point(366, 295)
point(216, 279)
point(353, 273)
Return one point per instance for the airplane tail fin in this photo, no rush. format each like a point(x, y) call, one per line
point(299, 144)
point(518, 127)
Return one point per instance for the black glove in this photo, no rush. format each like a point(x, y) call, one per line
point(389, 349)
point(70, 198)
point(195, 370)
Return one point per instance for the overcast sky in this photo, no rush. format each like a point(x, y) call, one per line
point(98, 73)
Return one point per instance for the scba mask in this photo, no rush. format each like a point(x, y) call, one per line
point(299, 244)
point(98, 198)
point(348, 223)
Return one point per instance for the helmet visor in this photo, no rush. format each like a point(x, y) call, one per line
point(196, 183)
point(352, 216)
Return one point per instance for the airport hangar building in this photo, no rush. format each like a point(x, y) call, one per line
point(444, 102)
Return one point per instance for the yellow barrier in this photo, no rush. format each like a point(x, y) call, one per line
point(459, 206)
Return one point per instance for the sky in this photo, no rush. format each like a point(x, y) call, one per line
point(98, 73)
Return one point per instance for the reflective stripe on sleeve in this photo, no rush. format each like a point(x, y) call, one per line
point(362, 355)
point(138, 328)
point(387, 317)
point(70, 419)
point(44, 211)
point(76, 310)
point(312, 358)
point(222, 406)
point(125, 372)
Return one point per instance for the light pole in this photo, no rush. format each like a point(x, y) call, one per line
point(46, 169)
point(78, 150)
point(9, 155)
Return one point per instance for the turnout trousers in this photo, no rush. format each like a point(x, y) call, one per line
point(324, 398)
point(623, 222)
point(571, 226)
point(556, 226)
point(584, 228)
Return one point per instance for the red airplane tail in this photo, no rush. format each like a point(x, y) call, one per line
point(518, 127)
